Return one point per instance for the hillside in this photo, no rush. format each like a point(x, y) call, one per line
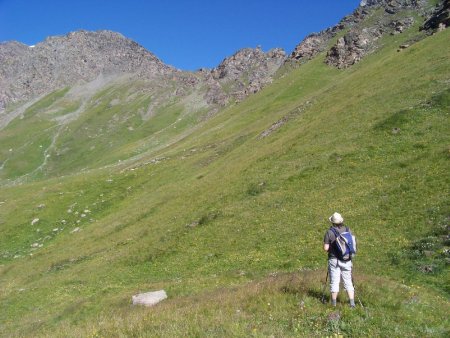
point(224, 205)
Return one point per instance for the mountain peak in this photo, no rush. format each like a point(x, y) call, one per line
point(60, 61)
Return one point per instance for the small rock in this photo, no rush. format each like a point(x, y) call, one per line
point(413, 300)
point(55, 229)
point(83, 215)
point(35, 245)
point(149, 298)
point(334, 316)
point(426, 268)
point(193, 224)
point(395, 130)
point(428, 253)
point(41, 206)
point(75, 230)
point(35, 221)
point(389, 10)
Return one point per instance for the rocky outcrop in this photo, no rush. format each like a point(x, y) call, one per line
point(360, 41)
point(398, 26)
point(352, 47)
point(394, 6)
point(440, 19)
point(316, 43)
point(360, 38)
point(242, 74)
point(310, 47)
point(215, 95)
point(253, 63)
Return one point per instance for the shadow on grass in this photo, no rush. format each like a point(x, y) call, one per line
point(320, 296)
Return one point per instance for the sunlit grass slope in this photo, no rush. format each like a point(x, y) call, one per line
point(230, 223)
point(64, 133)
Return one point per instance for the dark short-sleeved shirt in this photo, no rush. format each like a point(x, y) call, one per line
point(330, 237)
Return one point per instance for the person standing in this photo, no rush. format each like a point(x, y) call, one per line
point(338, 268)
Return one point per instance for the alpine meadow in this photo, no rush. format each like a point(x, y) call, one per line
point(121, 175)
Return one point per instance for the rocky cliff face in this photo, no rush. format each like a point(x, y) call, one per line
point(316, 43)
point(244, 73)
point(360, 38)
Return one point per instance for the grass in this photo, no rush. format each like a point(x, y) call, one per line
point(282, 304)
point(230, 225)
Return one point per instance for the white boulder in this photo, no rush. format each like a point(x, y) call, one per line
point(149, 298)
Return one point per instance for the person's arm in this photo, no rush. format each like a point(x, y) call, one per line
point(326, 242)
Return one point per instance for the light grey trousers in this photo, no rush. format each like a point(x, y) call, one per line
point(336, 269)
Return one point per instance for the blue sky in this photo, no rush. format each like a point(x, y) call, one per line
point(187, 34)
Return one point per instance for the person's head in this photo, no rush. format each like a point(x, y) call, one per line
point(336, 219)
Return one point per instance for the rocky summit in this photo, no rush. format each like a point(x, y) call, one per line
point(29, 71)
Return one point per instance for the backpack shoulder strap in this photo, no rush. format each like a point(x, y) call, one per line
point(335, 232)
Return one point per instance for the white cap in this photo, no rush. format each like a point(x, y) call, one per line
point(336, 218)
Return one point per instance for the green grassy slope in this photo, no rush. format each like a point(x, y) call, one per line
point(231, 224)
point(63, 134)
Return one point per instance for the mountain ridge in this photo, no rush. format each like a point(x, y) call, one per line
point(29, 71)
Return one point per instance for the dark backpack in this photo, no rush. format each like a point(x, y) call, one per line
point(344, 245)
